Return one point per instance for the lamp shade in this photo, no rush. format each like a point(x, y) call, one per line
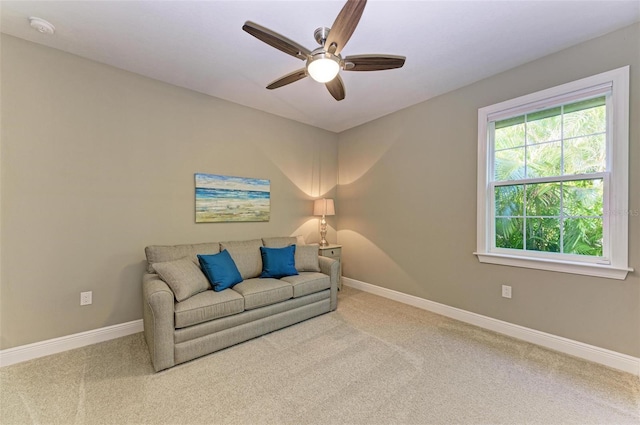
point(324, 207)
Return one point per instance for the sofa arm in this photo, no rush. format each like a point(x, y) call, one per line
point(158, 318)
point(331, 267)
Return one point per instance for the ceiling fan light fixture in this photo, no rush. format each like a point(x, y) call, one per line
point(323, 67)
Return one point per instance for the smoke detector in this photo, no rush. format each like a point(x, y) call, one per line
point(42, 26)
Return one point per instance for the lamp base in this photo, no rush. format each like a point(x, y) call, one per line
point(323, 232)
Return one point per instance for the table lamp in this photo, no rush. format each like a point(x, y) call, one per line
point(323, 207)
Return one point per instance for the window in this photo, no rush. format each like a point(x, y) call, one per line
point(553, 178)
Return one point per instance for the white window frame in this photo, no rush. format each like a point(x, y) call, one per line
point(614, 263)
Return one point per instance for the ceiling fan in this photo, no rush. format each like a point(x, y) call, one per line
point(324, 63)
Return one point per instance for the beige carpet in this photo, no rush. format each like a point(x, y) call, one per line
point(373, 361)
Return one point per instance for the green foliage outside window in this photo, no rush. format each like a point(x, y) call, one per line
point(564, 216)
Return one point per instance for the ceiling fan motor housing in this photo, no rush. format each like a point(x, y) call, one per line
point(321, 34)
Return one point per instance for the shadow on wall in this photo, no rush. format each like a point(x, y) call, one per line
point(353, 164)
point(310, 231)
point(297, 210)
point(401, 224)
point(378, 261)
point(308, 160)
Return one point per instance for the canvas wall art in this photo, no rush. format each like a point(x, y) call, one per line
point(229, 198)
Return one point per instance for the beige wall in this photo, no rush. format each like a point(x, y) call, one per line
point(97, 163)
point(407, 207)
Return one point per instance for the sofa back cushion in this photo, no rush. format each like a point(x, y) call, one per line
point(306, 258)
point(279, 242)
point(164, 253)
point(246, 256)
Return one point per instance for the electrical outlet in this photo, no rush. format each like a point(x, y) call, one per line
point(86, 298)
point(506, 291)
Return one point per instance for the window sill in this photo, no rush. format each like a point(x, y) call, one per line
point(597, 270)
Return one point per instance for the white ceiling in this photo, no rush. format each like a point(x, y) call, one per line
point(200, 45)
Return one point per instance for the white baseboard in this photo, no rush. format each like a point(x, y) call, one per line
point(589, 352)
point(57, 345)
point(592, 353)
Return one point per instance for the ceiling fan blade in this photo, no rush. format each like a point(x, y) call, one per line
point(288, 79)
point(344, 25)
point(373, 62)
point(336, 88)
point(276, 40)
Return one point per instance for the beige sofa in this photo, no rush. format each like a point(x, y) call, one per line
point(180, 325)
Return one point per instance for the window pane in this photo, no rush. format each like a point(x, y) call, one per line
point(509, 164)
point(544, 160)
point(509, 137)
point(583, 236)
point(583, 198)
point(585, 155)
point(583, 122)
point(543, 199)
point(543, 234)
point(509, 233)
point(544, 126)
point(508, 200)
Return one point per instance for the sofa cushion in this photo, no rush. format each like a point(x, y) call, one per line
point(257, 314)
point(307, 283)
point(246, 255)
point(207, 305)
point(278, 262)
point(279, 242)
point(183, 277)
point(306, 258)
point(261, 292)
point(220, 270)
point(162, 253)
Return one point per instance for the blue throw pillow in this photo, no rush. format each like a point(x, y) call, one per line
point(220, 269)
point(278, 262)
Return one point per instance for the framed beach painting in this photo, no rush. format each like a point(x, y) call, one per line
point(227, 198)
